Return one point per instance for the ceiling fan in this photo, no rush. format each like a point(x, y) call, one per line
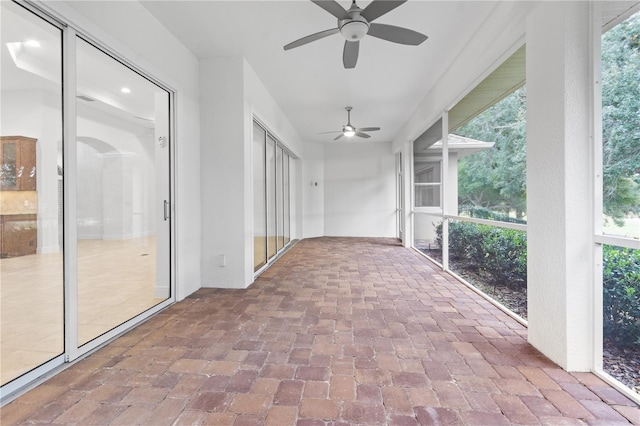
point(349, 130)
point(355, 23)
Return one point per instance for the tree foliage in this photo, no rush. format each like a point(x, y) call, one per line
point(495, 178)
point(621, 118)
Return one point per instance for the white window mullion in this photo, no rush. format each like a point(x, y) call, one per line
point(596, 139)
point(444, 191)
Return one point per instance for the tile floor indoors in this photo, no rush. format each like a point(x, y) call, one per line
point(116, 282)
point(339, 331)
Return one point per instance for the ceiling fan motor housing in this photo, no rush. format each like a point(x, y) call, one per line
point(353, 29)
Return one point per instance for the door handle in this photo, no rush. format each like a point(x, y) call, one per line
point(167, 210)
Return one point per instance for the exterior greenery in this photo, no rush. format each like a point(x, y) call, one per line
point(621, 119)
point(496, 178)
point(484, 213)
point(492, 185)
point(621, 298)
point(499, 257)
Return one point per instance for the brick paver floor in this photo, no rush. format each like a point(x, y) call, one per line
point(339, 331)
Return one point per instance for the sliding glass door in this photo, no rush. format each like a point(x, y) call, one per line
point(85, 207)
point(272, 199)
point(31, 256)
point(122, 188)
point(259, 194)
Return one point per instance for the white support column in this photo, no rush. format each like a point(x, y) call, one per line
point(407, 158)
point(559, 183)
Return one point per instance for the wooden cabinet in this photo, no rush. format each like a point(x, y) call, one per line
point(18, 224)
point(18, 235)
point(18, 167)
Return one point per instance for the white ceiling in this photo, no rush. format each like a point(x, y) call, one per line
point(309, 83)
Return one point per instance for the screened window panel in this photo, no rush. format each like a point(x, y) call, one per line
point(428, 196)
point(427, 175)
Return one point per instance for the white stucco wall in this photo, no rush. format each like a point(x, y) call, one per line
point(232, 94)
point(359, 192)
point(313, 186)
point(559, 183)
point(223, 173)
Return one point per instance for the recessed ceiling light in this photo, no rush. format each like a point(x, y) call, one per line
point(125, 90)
point(32, 43)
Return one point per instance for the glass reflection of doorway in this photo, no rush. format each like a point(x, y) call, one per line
point(122, 193)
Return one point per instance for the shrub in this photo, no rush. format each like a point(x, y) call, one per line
point(498, 252)
point(505, 256)
point(501, 256)
point(621, 295)
point(463, 241)
point(485, 213)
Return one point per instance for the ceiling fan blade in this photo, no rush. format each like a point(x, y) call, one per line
point(333, 8)
point(335, 131)
point(310, 38)
point(350, 54)
point(396, 34)
point(368, 129)
point(377, 8)
point(338, 137)
point(362, 135)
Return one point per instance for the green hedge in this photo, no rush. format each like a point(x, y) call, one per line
point(499, 255)
point(621, 297)
point(485, 213)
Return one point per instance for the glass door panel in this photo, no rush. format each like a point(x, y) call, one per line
point(122, 193)
point(287, 201)
point(279, 200)
point(31, 259)
point(271, 197)
point(259, 207)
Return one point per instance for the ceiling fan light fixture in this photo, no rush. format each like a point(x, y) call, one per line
point(349, 131)
point(354, 30)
